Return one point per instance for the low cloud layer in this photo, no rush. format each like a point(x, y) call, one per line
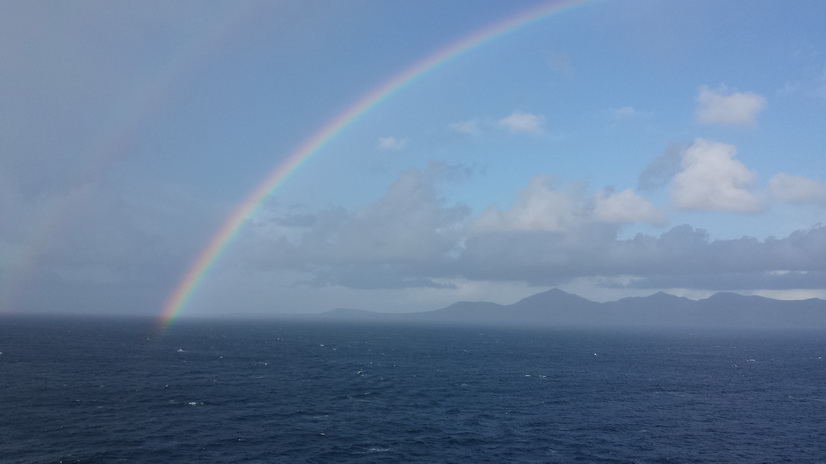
point(551, 235)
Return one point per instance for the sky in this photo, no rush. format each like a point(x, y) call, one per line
point(610, 149)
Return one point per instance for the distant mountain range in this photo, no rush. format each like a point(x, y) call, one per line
point(556, 308)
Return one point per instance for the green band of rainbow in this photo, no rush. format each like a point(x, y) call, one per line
point(178, 300)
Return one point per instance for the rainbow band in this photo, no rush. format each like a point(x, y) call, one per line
point(177, 301)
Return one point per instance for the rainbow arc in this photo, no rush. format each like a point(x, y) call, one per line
point(328, 132)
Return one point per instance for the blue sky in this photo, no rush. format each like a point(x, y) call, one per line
point(613, 149)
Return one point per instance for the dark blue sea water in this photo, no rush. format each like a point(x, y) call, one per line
point(92, 391)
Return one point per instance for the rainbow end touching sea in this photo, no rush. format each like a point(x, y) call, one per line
point(190, 281)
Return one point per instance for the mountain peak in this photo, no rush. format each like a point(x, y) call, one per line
point(551, 299)
point(557, 308)
point(553, 295)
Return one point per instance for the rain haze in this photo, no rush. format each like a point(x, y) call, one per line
point(256, 158)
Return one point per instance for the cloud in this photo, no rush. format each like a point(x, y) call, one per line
point(682, 257)
point(626, 113)
point(551, 235)
point(792, 262)
point(711, 179)
point(391, 143)
point(470, 128)
point(736, 108)
point(516, 123)
point(706, 176)
point(626, 207)
point(660, 171)
point(539, 208)
point(519, 122)
point(384, 245)
point(796, 189)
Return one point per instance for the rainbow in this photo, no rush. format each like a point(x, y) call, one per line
point(324, 135)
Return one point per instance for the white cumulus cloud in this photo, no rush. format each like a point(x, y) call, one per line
point(519, 122)
point(712, 179)
point(539, 208)
point(735, 108)
point(797, 189)
point(625, 207)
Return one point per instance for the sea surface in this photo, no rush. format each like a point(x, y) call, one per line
point(79, 390)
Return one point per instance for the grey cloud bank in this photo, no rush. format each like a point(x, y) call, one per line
point(410, 238)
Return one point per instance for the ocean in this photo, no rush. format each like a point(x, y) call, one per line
point(84, 390)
